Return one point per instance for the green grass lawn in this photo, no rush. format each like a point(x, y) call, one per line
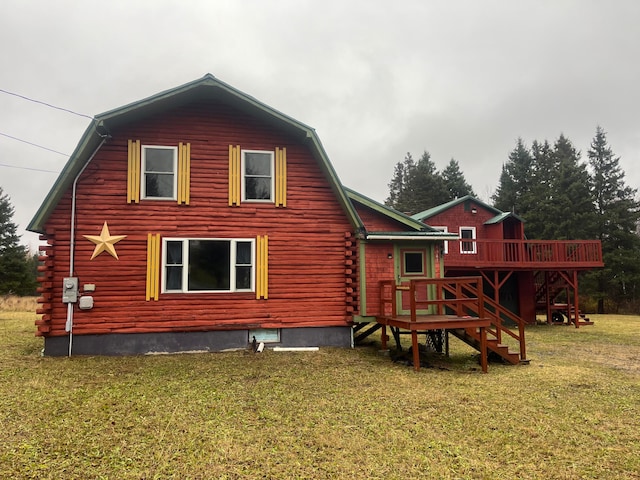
point(573, 413)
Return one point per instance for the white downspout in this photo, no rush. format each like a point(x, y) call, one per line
point(72, 240)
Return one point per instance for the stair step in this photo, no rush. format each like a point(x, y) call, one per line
point(492, 346)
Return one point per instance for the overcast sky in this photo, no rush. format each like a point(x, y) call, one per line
point(376, 79)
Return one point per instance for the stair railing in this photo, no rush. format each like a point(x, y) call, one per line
point(461, 296)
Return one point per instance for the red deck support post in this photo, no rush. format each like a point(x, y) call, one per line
point(414, 333)
point(575, 299)
point(483, 349)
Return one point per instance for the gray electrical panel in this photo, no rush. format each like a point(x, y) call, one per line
point(70, 290)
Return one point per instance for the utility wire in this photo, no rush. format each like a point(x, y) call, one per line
point(28, 168)
point(34, 144)
point(46, 104)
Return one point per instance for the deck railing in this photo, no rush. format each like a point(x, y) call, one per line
point(526, 253)
point(460, 296)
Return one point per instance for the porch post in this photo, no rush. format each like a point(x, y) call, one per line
point(575, 298)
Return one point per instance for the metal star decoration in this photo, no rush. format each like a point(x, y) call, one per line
point(104, 242)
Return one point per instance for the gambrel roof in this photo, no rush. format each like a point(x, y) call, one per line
point(205, 88)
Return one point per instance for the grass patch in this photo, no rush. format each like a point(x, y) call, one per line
point(573, 413)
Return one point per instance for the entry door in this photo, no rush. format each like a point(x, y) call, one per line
point(411, 263)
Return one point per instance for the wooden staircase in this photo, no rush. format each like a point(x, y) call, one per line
point(563, 314)
point(498, 315)
point(549, 287)
point(464, 297)
point(472, 338)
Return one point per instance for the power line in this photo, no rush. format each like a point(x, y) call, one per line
point(46, 104)
point(28, 168)
point(34, 144)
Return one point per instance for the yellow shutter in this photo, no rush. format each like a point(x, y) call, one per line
point(234, 175)
point(281, 177)
point(133, 172)
point(184, 172)
point(153, 266)
point(262, 267)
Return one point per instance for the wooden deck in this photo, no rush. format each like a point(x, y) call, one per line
point(527, 255)
point(419, 323)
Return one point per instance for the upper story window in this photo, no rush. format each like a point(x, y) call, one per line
point(159, 179)
point(208, 265)
point(467, 235)
point(257, 175)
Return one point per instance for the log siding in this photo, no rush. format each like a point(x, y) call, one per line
point(309, 283)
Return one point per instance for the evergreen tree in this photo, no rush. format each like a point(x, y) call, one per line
point(571, 211)
point(515, 181)
point(416, 186)
point(618, 214)
point(454, 181)
point(536, 202)
point(401, 173)
point(16, 276)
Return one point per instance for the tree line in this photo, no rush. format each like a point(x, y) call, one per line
point(18, 268)
point(560, 196)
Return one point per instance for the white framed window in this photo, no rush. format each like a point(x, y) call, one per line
point(159, 179)
point(446, 243)
point(467, 237)
point(257, 176)
point(208, 265)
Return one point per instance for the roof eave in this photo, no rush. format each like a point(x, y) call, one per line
point(414, 236)
point(89, 141)
point(388, 211)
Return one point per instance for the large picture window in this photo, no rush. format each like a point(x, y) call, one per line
point(208, 265)
point(159, 179)
point(467, 237)
point(257, 175)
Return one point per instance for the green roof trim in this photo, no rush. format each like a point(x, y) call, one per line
point(432, 212)
point(502, 217)
point(423, 235)
point(205, 88)
point(388, 211)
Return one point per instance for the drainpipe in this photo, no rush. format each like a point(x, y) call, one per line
point(72, 241)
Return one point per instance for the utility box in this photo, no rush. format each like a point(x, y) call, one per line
point(86, 302)
point(70, 290)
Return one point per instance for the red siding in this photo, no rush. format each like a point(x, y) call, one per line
point(457, 217)
point(378, 267)
point(309, 259)
point(375, 222)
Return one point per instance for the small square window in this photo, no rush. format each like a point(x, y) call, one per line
point(413, 262)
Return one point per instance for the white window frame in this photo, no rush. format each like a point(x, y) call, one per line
point(472, 240)
point(272, 175)
point(446, 242)
point(185, 265)
point(143, 172)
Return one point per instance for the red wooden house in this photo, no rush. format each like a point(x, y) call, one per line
point(200, 218)
point(525, 276)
